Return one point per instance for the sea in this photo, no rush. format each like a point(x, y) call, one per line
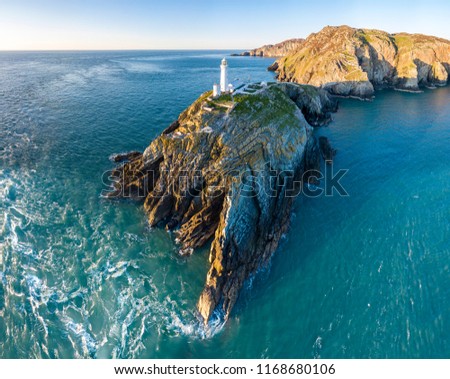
point(360, 276)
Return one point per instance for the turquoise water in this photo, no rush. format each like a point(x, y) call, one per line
point(361, 276)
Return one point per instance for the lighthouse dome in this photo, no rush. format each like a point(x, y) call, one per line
point(224, 62)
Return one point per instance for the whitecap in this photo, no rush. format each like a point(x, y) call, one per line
point(317, 347)
point(86, 341)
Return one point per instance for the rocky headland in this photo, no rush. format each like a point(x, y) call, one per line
point(355, 62)
point(274, 51)
point(227, 171)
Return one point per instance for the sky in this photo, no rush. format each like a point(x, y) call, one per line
point(201, 24)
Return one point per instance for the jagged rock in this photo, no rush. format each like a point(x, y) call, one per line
point(122, 157)
point(278, 50)
point(311, 162)
point(354, 62)
point(328, 153)
point(315, 105)
point(229, 174)
point(172, 127)
point(273, 66)
point(438, 75)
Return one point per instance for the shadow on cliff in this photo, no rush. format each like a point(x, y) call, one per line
point(284, 262)
point(426, 77)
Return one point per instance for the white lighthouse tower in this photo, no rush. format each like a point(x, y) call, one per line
point(224, 76)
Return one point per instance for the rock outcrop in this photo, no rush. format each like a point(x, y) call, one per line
point(125, 157)
point(278, 50)
point(328, 153)
point(228, 171)
point(354, 62)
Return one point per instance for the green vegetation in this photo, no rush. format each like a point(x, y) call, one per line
point(406, 68)
point(403, 41)
point(226, 97)
point(254, 86)
point(248, 103)
point(371, 36)
point(271, 106)
point(221, 103)
point(310, 90)
point(215, 106)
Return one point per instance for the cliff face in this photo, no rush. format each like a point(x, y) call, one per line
point(278, 50)
point(354, 62)
point(226, 170)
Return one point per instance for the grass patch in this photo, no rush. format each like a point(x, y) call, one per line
point(226, 97)
point(254, 86)
point(271, 106)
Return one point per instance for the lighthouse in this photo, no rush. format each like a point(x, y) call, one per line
point(224, 76)
point(224, 87)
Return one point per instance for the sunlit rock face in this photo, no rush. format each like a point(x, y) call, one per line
point(354, 62)
point(228, 170)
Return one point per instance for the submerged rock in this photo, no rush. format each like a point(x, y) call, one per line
point(354, 62)
point(229, 170)
point(328, 153)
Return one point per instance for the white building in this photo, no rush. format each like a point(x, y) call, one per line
point(225, 87)
point(216, 90)
point(224, 76)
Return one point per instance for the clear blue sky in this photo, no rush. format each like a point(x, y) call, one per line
point(201, 24)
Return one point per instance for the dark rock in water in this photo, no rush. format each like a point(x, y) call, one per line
point(273, 66)
point(172, 224)
point(328, 153)
point(133, 179)
point(228, 173)
point(123, 157)
point(312, 162)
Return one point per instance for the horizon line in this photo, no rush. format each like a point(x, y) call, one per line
point(138, 49)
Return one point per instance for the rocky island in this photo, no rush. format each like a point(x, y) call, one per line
point(227, 170)
point(355, 62)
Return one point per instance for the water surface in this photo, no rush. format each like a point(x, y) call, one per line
point(361, 276)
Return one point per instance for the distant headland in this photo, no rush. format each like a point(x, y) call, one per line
point(274, 51)
point(355, 62)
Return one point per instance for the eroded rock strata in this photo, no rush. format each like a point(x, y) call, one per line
point(228, 169)
point(354, 62)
